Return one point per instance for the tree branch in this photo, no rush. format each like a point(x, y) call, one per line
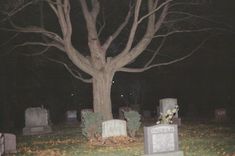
point(9, 40)
point(95, 9)
point(154, 10)
point(102, 26)
point(14, 11)
point(38, 53)
point(90, 20)
point(117, 32)
point(35, 29)
point(152, 27)
point(136, 70)
point(122, 58)
point(182, 31)
point(77, 75)
point(156, 52)
point(38, 44)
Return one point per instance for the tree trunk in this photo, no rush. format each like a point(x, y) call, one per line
point(102, 83)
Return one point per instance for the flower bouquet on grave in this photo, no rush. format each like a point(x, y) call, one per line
point(167, 118)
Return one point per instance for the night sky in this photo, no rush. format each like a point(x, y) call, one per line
point(201, 83)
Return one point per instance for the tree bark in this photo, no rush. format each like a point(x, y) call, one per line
point(102, 83)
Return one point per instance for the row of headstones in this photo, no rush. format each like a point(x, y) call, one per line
point(159, 139)
point(37, 119)
point(165, 104)
point(7, 143)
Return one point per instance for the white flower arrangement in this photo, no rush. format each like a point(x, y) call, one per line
point(167, 118)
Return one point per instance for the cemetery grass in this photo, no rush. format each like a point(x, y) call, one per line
point(196, 139)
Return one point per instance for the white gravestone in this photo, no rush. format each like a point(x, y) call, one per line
point(1, 144)
point(71, 116)
point(112, 128)
point(10, 143)
point(161, 140)
point(36, 121)
point(167, 104)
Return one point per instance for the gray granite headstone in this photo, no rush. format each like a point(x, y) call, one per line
point(36, 121)
point(167, 104)
point(71, 116)
point(10, 143)
point(161, 140)
point(112, 128)
point(1, 144)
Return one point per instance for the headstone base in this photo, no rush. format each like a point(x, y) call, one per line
point(177, 153)
point(37, 130)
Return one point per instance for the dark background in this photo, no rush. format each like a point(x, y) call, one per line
point(201, 83)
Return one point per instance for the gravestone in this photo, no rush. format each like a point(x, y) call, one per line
point(161, 140)
point(36, 121)
point(1, 144)
point(71, 116)
point(121, 111)
point(169, 104)
point(220, 115)
point(9, 143)
point(112, 128)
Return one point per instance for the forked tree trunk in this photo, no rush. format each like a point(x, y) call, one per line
point(102, 83)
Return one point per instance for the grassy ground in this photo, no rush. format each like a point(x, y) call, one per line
point(196, 139)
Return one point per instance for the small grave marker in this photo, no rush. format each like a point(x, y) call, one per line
point(161, 140)
point(112, 128)
point(71, 116)
point(220, 115)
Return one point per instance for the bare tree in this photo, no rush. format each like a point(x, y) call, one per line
point(98, 64)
